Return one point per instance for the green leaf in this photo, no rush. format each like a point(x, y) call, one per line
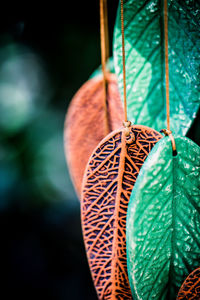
point(145, 70)
point(109, 65)
point(163, 221)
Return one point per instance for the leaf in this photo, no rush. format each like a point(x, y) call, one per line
point(109, 67)
point(109, 178)
point(144, 46)
point(163, 221)
point(85, 123)
point(190, 288)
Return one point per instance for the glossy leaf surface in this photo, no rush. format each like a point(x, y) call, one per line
point(109, 178)
point(85, 123)
point(163, 221)
point(144, 46)
point(190, 288)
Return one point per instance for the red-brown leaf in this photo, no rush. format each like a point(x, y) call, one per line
point(85, 123)
point(109, 178)
point(190, 288)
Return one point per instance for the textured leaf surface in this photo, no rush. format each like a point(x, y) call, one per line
point(85, 123)
point(109, 179)
point(190, 289)
point(163, 221)
point(145, 62)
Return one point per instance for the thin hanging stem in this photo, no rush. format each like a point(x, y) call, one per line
point(168, 131)
point(104, 53)
point(166, 63)
point(123, 60)
point(106, 29)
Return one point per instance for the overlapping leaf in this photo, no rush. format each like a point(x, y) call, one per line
point(145, 68)
point(190, 288)
point(109, 178)
point(85, 124)
point(163, 221)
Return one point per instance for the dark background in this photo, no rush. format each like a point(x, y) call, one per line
point(46, 54)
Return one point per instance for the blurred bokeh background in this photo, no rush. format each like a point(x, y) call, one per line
point(46, 54)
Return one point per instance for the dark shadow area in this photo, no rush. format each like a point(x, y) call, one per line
point(194, 131)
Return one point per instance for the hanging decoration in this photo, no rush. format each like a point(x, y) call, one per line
point(108, 181)
point(144, 39)
point(85, 123)
point(163, 220)
point(107, 185)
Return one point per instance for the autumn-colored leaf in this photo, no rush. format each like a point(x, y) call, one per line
point(85, 123)
point(190, 288)
point(109, 178)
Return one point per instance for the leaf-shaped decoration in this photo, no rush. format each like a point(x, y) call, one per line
point(145, 68)
point(85, 123)
point(109, 178)
point(163, 221)
point(109, 67)
point(190, 288)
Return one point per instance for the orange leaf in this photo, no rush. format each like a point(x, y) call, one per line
point(109, 178)
point(190, 288)
point(85, 123)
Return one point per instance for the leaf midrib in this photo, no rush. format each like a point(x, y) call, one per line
point(173, 237)
point(114, 257)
